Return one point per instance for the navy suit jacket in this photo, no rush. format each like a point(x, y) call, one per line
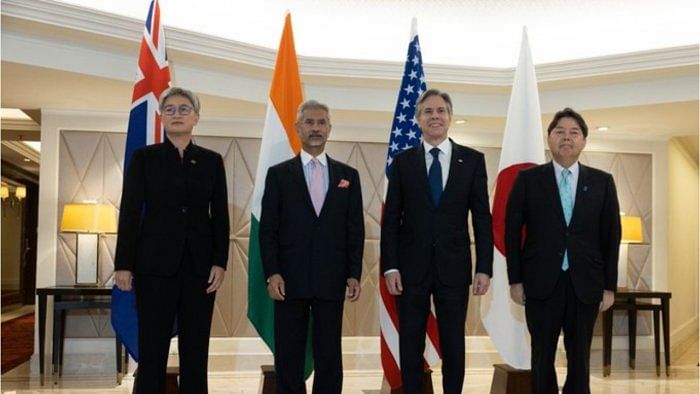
point(592, 238)
point(416, 234)
point(314, 254)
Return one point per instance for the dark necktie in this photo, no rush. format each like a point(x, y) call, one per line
point(435, 177)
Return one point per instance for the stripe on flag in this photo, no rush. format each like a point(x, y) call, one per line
point(523, 147)
point(279, 142)
point(404, 134)
point(152, 79)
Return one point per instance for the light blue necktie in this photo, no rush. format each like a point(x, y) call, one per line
point(435, 177)
point(567, 204)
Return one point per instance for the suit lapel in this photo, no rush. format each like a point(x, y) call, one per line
point(456, 167)
point(297, 173)
point(551, 189)
point(422, 173)
point(581, 190)
point(333, 180)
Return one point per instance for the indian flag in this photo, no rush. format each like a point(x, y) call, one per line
point(279, 142)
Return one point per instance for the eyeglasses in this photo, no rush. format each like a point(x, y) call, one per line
point(183, 110)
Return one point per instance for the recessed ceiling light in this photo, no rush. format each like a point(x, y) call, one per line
point(460, 121)
point(603, 128)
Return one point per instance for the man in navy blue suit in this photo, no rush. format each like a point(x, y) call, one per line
point(425, 245)
point(562, 242)
point(311, 242)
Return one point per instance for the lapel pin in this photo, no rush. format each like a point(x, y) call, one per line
point(585, 188)
point(460, 161)
point(193, 161)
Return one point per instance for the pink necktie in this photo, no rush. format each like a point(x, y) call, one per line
point(317, 194)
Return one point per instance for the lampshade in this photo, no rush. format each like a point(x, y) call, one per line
point(631, 229)
point(20, 192)
point(89, 218)
point(4, 192)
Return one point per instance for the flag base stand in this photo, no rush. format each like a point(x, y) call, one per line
point(427, 385)
point(509, 380)
point(268, 379)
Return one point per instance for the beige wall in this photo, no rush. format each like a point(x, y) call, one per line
point(90, 167)
point(683, 240)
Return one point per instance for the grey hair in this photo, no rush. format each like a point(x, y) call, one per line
point(430, 93)
point(312, 104)
point(176, 91)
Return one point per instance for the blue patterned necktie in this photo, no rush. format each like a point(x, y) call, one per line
point(435, 177)
point(567, 205)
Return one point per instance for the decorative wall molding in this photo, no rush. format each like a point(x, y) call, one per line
point(97, 25)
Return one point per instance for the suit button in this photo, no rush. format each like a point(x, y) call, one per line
point(566, 233)
point(561, 254)
point(184, 209)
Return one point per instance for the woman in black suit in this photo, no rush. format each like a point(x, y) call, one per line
point(173, 242)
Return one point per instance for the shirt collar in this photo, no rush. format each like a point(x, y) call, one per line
point(306, 158)
point(445, 147)
point(558, 168)
point(172, 146)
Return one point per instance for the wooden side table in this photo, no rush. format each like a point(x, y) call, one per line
point(633, 301)
point(89, 297)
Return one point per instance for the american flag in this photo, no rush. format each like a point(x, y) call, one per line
point(152, 79)
point(404, 134)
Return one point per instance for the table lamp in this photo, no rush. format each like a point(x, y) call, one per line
point(631, 234)
point(88, 221)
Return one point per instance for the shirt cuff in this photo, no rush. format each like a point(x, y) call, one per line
point(391, 271)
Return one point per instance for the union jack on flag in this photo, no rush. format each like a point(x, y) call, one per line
point(152, 79)
point(404, 134)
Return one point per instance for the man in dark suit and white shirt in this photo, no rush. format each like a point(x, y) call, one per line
point(562, 242)
point(425, 245)
point(311, 242)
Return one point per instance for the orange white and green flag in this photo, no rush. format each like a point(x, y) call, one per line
point(279, 142)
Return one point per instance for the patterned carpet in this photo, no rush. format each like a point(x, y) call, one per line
point(17, 341)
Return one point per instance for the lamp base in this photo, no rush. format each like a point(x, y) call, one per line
point(86, 271)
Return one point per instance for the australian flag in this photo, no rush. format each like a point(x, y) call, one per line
point(152, 79)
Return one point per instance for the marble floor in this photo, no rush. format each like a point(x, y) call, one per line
point(683, 379)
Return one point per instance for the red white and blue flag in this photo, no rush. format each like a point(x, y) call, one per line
point(145, 128)
point(152, 79)
point(404, 134)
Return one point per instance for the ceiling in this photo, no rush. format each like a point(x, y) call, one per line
point(484, 33)
point(37, 82)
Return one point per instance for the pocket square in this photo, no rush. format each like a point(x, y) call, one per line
point(344, 183)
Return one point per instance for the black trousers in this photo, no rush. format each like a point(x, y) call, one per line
point(545, 320)
point(159, 302)
point(291, 331)
point(451, 313)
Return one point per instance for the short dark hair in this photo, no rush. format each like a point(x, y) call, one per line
point(182, 92)
point(430, 93)
point(568, 113)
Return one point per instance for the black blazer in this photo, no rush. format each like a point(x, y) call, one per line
point(592, 238)
point(416, 235)
point(314, 254)
point(166, 206)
